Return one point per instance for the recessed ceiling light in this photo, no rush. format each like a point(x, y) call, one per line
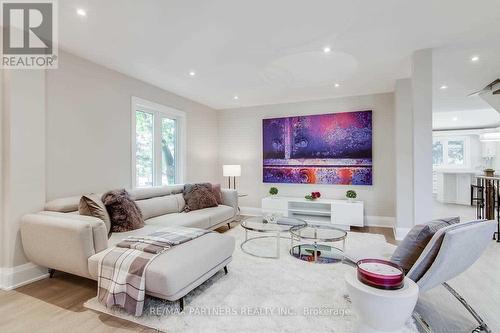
point(236, 97)
point(443, 87)
point(336, 85)
point(81, 12)
point(455, 118)
point(327, 49)
point(474, 59)
point(192, 73)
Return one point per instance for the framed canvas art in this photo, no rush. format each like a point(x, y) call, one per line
point(331, 148)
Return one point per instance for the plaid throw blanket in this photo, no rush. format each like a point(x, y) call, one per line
point(122, 280)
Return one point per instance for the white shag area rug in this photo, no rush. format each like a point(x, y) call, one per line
point(265, 295)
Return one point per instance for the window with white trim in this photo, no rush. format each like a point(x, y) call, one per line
point(450, 152)
point(158, 144)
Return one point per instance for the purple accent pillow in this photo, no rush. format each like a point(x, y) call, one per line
point(123, 212)
point(199, 196)
point(217, 192)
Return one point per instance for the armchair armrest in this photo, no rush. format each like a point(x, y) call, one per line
point(230, 198)
point(62, 241)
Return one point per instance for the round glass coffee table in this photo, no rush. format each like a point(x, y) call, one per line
point(311, 245)
point(270, 229)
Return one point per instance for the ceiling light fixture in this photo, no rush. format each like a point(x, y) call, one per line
point(236, 97)
point(474, 59)
point(336, 85)
point(81, 12)
point(192, 73)
point(454, 118)
point(443, 87)
point(327, 49)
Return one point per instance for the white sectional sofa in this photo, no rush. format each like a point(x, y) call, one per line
point(60, 239)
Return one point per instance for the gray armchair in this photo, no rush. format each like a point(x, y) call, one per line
point(450, 252)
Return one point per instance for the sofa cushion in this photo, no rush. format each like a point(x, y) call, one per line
point(123, 212)
point(412, 246)
point(157, 206)
point(199, 196)
point(169, 277)
point(201, 221)
point(217, 214)
point(203, 218)
point(92, 205)
point(63, 205)
point(155, 191)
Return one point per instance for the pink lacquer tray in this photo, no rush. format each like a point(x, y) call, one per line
point(381, 274)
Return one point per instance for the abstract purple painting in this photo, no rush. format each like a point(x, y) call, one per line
point(319, 149)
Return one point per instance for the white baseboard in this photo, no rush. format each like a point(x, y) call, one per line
point(379, 221)
point(15, 277)
point(370, 221)
point(400, 233)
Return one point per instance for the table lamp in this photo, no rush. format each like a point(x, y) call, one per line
point(229, 171)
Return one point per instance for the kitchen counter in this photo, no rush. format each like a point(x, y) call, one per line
point(453, 185)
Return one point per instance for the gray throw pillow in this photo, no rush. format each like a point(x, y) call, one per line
point(412, 246)
point(92, 205)
point(199, 196)
point(123, 212)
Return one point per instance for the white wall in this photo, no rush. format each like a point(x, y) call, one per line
point(240, 142)
point(422, 135)
point(89, 128)
point(3, 257)
point(404, 156)
point(67, 131)
point(23, 171)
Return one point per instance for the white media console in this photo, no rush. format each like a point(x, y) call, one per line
point(339, 213)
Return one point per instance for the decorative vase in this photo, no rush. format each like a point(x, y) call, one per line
point(489, 172)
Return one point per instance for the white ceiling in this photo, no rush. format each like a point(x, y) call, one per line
point(452, 66)
point(466, 119)
point(269, 51)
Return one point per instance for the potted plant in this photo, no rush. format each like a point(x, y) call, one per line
point(273, 191)
point(313, 196)
point(351, 195)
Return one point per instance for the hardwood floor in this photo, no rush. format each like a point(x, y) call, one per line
point(56, 305)
point(388, 233)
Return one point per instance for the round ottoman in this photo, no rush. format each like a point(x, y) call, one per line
point(381, 310)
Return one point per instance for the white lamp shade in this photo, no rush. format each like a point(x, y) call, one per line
point(229, 170)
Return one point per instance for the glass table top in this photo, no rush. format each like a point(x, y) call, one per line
point(325, 254)
point(320, 233)
point(283, 224)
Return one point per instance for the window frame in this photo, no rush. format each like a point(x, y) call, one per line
point(159, 112)
point(445, 141)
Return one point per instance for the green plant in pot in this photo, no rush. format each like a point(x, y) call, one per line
point(273, 191)
point(351, 195)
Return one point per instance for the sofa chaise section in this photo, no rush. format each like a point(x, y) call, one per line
point(184, 267)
